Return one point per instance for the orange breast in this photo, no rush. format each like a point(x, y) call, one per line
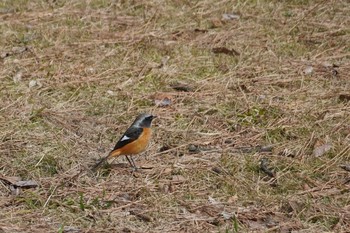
point(138, 145)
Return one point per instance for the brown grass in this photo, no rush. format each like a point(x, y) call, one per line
point(94, 65)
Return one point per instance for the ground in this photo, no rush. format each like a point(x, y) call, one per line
point(253, 106)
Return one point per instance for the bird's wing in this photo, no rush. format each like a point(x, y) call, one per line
point(130, 135)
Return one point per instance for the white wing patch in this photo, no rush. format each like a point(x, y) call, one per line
point(124, 138)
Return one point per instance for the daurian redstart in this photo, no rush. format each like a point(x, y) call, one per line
point(134, 141)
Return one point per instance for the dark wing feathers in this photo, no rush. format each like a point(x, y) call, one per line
point(132, 133)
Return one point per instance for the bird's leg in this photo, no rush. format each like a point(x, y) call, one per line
point(131, 161)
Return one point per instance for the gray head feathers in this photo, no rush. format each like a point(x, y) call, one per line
point(144, 120)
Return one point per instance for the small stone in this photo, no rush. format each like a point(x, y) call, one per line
point(109, 92)
point(18, 77)
point(32, 83)
point(308, 70)
point(193, 148)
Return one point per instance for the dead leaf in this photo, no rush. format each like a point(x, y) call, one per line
point(162, 99)
point(344, 97)
point(167, 171)
point(164, 148)
point(26, 184)
point(178, 179)
point(330, 68)
point(216, 23)
point(201, 30)
point(263, 166)
point(4, 55)
point(71, 229)
point(10, 179)
point(166, 101)
point(141, 216)
point(244, 88)
point(16, 184)
point(287, 153)
point(217, 170)
point(146, 166)
point(164, 61)
point(227, 215)
point(321, 149)
point(232, 199)
point(256, 225)
point(213, 201)
point(18, 50)
point(226, 51)
point(231, 16)
point(15, 191)
point(346, 167)
point(181, 87)
point(223, 68)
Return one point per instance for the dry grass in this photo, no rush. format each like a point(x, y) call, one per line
point(94, 65)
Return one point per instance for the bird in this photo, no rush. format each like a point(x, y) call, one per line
point(134, 141)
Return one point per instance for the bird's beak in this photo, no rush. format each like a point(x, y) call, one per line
point(154, 116)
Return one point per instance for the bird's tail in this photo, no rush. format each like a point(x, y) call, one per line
point(113, 153)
